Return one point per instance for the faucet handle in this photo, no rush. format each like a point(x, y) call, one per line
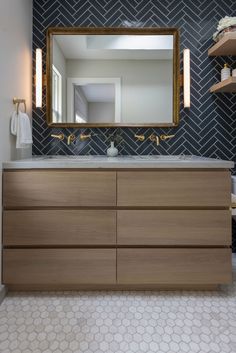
point(139, 137)
point(166, 137)
point(59, 137)
point(84, 137)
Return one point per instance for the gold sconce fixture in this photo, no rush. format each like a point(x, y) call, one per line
point(70, 139)
point(60, 137)
point(166, 137)
point(84, 137)
point(139, 137)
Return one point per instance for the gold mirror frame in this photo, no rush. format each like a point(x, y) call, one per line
point(113, 31)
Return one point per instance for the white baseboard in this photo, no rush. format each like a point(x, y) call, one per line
point(3, 292)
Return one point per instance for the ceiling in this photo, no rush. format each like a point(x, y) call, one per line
point(100, 92)
point(116, 47)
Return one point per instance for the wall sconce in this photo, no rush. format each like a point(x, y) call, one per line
point(186, 83)
point(39, 79)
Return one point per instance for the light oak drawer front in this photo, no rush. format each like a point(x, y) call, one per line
point(174, 227)
point(59, 188)
point(174, 188)
point(59, 227)
point(59, 266)
point(174, 266)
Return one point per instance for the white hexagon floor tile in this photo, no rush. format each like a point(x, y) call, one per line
point(119, 322)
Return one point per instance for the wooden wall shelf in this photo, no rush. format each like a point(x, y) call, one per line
point(225, 46)
point(228, 85)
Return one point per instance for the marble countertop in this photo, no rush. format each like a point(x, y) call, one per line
point(120, 162)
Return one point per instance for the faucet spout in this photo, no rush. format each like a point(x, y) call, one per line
point(70, 139)
point(154, 138)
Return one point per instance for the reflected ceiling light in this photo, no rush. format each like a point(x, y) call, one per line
point(39, 79)
point(186, 83)
point(130, 42)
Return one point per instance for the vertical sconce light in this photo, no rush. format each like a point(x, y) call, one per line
point(186, 83)
point(39, 79)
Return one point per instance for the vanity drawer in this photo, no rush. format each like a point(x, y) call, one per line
point(58, 188)
point(174, 227)
point(174, 188)
point(59, 266)
point(59, 227)
point(174, 266)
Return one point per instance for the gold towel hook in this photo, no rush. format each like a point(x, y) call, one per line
point(17, 102)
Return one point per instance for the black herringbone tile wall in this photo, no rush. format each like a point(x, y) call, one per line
point(207, 129)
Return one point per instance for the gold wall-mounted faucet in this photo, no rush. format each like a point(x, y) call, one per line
point(154, 138)
point(166, 137)
point(139, 137)
point(59, 137)
point(70, 139)
point(84, 137)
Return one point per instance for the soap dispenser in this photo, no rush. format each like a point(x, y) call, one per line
point(225, 72)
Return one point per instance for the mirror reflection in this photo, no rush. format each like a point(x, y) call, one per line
point(94, 102)
point(112, 79)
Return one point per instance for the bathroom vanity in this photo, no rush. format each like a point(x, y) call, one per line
point(116, 223)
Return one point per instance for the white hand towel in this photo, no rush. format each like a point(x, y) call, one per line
point(21, 128)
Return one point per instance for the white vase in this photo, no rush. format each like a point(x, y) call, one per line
point(112, 151)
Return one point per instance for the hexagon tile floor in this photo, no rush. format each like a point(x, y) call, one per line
point(119, 322)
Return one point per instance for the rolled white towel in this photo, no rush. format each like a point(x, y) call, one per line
point(21, 128)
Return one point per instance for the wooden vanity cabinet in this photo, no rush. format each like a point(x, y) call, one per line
point(59, 266)
point(56, 227)
point(53, 188)
point(173, 266)
point(117, 229)
point(174, 227)
point(173, 188)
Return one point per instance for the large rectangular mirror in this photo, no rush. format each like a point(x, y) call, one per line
point(112, 77)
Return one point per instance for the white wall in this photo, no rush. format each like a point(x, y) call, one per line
point(146, 86)
point(100, 112)
point(81, 106)
point(15, 70)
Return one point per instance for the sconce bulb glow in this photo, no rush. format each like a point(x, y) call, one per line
point(186, 83)
point(39, 79)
